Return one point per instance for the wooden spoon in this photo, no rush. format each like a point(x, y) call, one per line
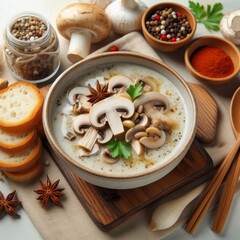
point(233, 175)
point(207, 110)
point(235, 113)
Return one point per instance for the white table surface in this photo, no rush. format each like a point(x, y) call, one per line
point(23, 229)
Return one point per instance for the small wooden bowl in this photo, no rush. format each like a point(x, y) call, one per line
point(222, 43)
point(165, 46)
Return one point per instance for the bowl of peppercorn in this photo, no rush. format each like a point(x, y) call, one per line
point(212, 60)
point(168, 26)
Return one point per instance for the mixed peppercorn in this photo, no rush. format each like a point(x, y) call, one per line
point(168, 25)
point(28, 28)
point(36, 56)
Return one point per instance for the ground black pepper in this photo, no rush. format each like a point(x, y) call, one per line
point(168, 25)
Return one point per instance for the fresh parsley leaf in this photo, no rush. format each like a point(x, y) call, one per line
point(119, 148)
point(210, 17)
point(134, 91)
point(197, 9)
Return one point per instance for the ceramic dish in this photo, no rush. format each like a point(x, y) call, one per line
point(213, 41)
point(165, 46)
point(125, 174)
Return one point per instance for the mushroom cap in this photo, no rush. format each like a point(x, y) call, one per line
point(100, 3)
point(78, 16)
point(107, 135)
point(81, 123)
point(145, 81)
point(132, 131)
point(154, 142)
point(77, 91)
point(143, 120)
point(154, 100)
point(106, 157)
point(109, 105)
point(137, 147)
point(119, 82)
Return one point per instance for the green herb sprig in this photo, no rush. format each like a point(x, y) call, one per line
point(119, 148)
point(134, 91)
point(210, 17)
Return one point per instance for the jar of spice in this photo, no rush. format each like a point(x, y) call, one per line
point(31, 48)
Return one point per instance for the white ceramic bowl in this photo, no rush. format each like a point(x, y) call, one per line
point(114, 179)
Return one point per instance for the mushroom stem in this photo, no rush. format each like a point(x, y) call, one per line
point(86, 153)
point(115, 122)
point(89, 139)
point(79, 46)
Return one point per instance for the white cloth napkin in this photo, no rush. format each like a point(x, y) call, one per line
point(72, 222)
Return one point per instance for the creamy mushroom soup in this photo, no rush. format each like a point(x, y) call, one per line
point(70, 130)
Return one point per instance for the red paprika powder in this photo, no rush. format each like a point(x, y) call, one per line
point(212, 62)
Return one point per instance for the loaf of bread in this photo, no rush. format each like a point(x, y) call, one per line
point(20, 107)
point(23, 160)
point(15, 142)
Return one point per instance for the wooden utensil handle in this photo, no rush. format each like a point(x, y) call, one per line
point(211, 189)
point(227, 196)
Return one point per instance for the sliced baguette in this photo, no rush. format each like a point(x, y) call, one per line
point(20, 107)
point(15, 142)
point(27, 176)
point(21, 161)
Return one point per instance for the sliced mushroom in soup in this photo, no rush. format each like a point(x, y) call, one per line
point(152, 124)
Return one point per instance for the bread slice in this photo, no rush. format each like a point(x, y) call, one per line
point(21, 161)
point(15, 142)
point(27, 176)
point(20, 107)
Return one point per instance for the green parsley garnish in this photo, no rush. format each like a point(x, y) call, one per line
point(210, 17)
point(134, 91)
point(118, 148)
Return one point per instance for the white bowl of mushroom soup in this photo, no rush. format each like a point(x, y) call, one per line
point(120, 120)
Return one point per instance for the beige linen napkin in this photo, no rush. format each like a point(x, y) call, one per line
point(72, 222)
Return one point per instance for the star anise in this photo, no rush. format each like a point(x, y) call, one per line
point(98, 94)
point(50, 191)
point(8, 205)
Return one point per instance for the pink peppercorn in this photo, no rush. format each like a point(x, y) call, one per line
point(179, 14)
point(173, 39)
point(164, 37)
point(157, 17)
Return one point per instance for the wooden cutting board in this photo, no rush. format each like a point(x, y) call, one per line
point(108, 208)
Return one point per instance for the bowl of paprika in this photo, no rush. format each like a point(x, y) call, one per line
point(212, 60)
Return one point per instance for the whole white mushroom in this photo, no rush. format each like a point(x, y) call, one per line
point(230, 27)
point(82, 24)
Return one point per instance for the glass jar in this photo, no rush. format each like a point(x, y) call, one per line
point(31, 48)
